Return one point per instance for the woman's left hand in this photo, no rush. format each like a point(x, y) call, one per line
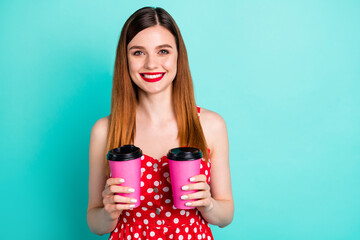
point(204, 200)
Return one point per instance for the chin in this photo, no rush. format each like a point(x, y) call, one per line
point(156, 90)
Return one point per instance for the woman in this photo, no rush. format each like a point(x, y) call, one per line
point(153, 107)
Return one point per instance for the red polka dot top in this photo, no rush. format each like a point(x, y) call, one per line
point(157, 218)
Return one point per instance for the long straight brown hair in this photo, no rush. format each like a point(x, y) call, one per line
point(124, 96)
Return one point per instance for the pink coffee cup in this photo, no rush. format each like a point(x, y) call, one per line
point(125, 162)
point(184, 163)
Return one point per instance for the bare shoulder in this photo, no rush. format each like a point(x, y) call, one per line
point(211, 119)
point(213, 125)
point(98, 139)
point(100, 128)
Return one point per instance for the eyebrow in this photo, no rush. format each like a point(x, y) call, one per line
point(160, 46)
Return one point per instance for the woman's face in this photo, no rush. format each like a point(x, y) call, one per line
point(152, 59)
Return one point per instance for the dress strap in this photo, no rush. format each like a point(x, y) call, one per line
point(198, 110)
point(208, 150)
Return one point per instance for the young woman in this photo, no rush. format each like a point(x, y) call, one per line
point(153, 107)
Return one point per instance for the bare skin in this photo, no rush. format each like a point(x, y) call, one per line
point(156, 123)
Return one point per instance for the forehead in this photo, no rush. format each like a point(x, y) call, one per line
point(152, 37)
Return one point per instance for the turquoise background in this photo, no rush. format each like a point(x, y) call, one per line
point(283, 74)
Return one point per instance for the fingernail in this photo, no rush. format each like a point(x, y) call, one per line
point(133, 200)
point(192, 179)
point(131, 190)
point(185, 188)
point(188, 204)
point(132, 206)
point(183, 197)
point(121, 180)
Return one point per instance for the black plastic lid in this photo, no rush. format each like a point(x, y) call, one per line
point(184, 154)
point(124, 153)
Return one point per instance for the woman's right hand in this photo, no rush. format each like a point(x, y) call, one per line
point(115, 204)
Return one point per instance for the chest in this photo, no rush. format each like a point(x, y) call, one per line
point(156, 141)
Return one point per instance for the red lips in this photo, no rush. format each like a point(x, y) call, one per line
point(152, 79)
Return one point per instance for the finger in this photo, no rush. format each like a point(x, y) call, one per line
point(120, 189)
point(197, 195)
point(196, 186)
point(112, 181)
point(199, 203)
point(117, 189)
point(198, 178)
point(122, 199)
point(119, 199)
point(124, 206)
point(116, 207)
point(168, 179)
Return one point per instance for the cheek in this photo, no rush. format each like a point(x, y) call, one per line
point(170, 64)
point(131, 66)
point(134, 66)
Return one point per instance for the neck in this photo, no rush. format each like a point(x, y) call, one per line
point(155, 108)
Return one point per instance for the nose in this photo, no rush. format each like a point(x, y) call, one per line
point(150, 62)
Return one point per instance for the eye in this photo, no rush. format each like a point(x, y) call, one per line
point(137, 53)
point(163, 51)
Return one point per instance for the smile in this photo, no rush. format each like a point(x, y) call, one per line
point(152, 77)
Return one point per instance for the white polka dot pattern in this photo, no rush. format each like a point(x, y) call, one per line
point(156, 211)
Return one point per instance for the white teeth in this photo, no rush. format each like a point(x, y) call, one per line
point(152, 76)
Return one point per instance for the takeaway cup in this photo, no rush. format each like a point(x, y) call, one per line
point(125, 162)
point(184, 163)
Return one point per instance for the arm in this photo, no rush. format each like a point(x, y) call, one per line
point(97, 220)
point(103, 212)
point(215, 201)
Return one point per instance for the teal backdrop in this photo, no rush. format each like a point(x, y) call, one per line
point(283, 74)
